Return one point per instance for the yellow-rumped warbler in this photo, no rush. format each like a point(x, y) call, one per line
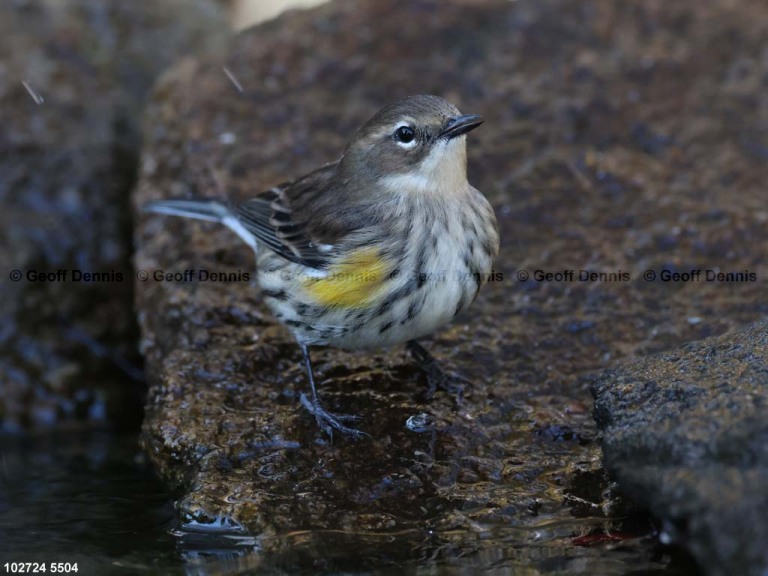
point(382, 247)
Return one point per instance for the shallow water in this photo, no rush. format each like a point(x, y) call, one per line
point(90, 498)
point(87, 498)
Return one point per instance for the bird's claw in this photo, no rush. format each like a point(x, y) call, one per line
point(449, 381)
point(328, 421)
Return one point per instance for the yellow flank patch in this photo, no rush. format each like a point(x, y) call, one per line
point(354, 282)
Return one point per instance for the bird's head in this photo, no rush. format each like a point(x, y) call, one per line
point(415, 144)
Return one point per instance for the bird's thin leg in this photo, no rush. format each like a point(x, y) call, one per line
point(437, 377)
point(327, 421)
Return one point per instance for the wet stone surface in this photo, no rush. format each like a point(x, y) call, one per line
point(73, 77)
point(686, 435)
point(616, 141)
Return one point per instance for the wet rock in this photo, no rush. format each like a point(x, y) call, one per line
point(685, 434)
point(73, 79)
point(513, 475)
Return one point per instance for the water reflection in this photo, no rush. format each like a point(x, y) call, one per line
point(90, 498)
point(85, 497)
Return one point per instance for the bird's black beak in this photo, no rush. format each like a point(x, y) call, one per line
point(460, 125)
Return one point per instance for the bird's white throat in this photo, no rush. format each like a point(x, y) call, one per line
point(443, 171)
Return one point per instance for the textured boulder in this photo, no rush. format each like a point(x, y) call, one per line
point(73, 79)
point(614, 142)
point(686, 435)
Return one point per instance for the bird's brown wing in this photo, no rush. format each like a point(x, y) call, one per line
point(279, 218)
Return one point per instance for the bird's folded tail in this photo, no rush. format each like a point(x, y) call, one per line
point(202, 209)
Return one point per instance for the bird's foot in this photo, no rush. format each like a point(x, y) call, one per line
point(447, 380)
point(328, 421)
point(437, 377)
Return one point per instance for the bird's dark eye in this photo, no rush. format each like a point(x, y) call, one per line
point(405, 134)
